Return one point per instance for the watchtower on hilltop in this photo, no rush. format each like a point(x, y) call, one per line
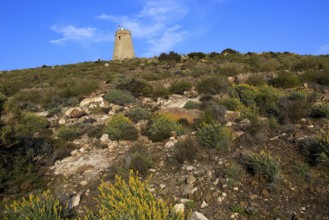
point(123, 45)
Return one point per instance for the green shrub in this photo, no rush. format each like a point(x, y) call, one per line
point(140, 159)
point(179, 87)
point(131, 201)
point(264, 164)
point(186, 150)
point(162, 127)
point(76, 88)
point(293, 107)
point(196, 55)
point(232, 104)
point(160, 91)
point(286, 80)
point(68, 133)
point(215, 136)
point(236, 208)
point(213, 85)
point(246, 93)
point(192, 105)
point(43, 206)
point(114, 126)
point(136, 114)
point(229, 68)
point(30, 124)
point(267, 99)
point(137, 87)
point(171, 56)
point(119, 97)
point(129, 133)
point(320, 110)
point(256, 80)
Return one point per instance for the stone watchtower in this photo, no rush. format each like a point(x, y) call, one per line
point(123, 45)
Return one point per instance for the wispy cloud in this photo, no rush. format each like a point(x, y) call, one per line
point(324, 49)
point(156, 24)
point(84, 35)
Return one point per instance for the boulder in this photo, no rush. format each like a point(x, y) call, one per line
point(197, 216)
point(92, 100)
point(77, 113)
point(180, 113)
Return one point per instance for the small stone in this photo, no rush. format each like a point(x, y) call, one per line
point(235, 188)
point(105, 138)
point(204, 205)
point(152, 170)
point(83, 183)
point(187, 189)
point(254, 183)
point(190, 179)
point(220, 199)
point(215, 194)
point(249, 209)
point(74, 201)
point(224, 194)
point(77, 113)
point(265, 193)
point(189, 168)
point(179, 208)
point(208, 197)
point(253, 196)
point(216, 181)
point(224, 186)
point(162, 186)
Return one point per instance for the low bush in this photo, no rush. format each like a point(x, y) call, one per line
point(68, 133)
point(130, 201)
point(196, 55)
point(137, 87)
point(162, 127)
point(119, 97)
point(286, 80)
point(129, 133)
point(187, 150)
point(232, 104)
point(115, 126)
point(267, 99)
point(179, 87)
point(256, 80)
point(140, 159)
point(160, 91)
point(245, 93)
point(171, 56)
point(264, 164)
point(192, 105)
point(320, 110)
point(136, 114)
point(44, 206)
point(215, 136)
point(293, 107)
point(30, 124)
point(213, 85)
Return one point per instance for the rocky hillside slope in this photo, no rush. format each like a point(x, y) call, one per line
point(230, 135)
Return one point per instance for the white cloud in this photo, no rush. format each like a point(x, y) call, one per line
point(155, 23)
point(71, 33)
point(324, 49)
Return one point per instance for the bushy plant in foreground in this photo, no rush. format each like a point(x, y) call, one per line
point(264, 164)
point(162, 127)
point(119, 97)
point(114, 126)
point(37, 207)
point(131, 201)
point(215, 136)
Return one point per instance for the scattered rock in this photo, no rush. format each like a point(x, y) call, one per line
point(190, 179)
point(83, 183)
point(231, 115)
point(204, 205)
point(265, 193)
point(74, 201)
point(187, 189)
point(106, 65)
point(179, 208)
point(197, 216)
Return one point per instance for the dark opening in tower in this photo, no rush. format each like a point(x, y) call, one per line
point(119, 37)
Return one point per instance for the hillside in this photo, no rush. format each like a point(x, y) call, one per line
point(228, 135)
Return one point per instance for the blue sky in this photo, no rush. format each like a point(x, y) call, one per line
point(55, 32)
